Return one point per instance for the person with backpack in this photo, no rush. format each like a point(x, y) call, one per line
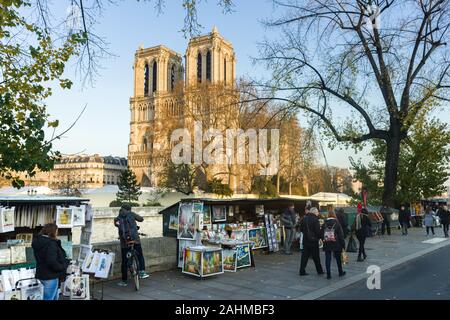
point(310, 227)
point(361, 227)
point(444, 215)
point(333, 243)
point(128, 231)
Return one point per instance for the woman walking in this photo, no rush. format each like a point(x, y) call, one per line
point(51, 261)
point(428, 219)
point(361, 227)
point(333, 243)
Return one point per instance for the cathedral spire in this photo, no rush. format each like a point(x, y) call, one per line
point(215, 30)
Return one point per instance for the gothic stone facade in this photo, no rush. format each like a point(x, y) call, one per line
point(163, 90)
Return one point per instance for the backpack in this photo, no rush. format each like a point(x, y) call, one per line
point(330, 234)
point(125, 231)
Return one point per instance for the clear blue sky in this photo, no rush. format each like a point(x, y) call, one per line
point(104, 127)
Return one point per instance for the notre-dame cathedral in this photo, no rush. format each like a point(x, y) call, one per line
point(162, 79)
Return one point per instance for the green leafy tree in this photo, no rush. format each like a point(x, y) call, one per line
point(181, 178)
point(26, 69)
point(221, 189)
point(129, 189)
point(264, 187)
point(424, 164)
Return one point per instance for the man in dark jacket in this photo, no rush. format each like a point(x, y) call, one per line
point(51, 260)
point(361, 227)
point(342, 221)
point(386, 213)
point(444, 216)
point(404, 218)
point(129, 231)
point(289, 220)
point(310, 227)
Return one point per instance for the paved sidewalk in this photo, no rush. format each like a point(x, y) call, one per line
point(276, 275)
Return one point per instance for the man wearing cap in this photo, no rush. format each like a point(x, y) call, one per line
point(128, 231)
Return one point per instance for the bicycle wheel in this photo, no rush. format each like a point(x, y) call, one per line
point(134, 271)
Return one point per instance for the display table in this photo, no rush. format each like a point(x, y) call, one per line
point(201, 261)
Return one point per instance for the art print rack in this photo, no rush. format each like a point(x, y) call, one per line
point(100, 280)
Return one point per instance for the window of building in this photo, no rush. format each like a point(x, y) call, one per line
point(199, 68)
point(155, 76)
point(172, 78)
point(208, 66)
point(146, 79)
point(225, 70)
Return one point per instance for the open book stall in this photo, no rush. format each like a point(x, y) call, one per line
point(254, 225)
point(21, 218)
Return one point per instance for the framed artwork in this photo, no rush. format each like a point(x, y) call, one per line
point(8, 283)
point(26, 237)
point(66, 286)
point(173, 222)
point(7, 220)
point(199, 221)
point(12, 295)
point(197, 207)
point(89, 212)
point(186, 222)
point(207, 216)
point(229, 260)
point(68, 248)
point(18, 254)
point(87, 264)
point(64, 217)
point(105, 264)
point(258, 237)
point(219, 213)
point(192, 262)
point(35, 292)
point(212, 263)
point(5, 256)
point(183, 244)
point(79, 216)
point(243, 256)
point(85, 237)
point(84, 252)
point(79, 288)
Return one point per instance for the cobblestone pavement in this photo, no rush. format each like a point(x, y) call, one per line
point(276, 275)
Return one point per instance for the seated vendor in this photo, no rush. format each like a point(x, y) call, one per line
point(229, 231)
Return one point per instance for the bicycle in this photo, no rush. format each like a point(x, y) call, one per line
point(133, 262)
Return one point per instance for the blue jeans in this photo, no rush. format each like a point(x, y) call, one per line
point(337, 256)
point(51, 289)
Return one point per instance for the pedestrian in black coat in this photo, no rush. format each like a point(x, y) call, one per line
point(333, 243)
point(444, 216)
point(361, 227)
point(310, 227)
point(51, 260)
point(340, 215)
point(404, 218)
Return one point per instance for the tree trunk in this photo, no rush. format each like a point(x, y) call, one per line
point(290, 188)
point(391, 167)
point(278, 183)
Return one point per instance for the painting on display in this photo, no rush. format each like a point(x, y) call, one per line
point(212, 263)
point(219, 213)
point(85, 237)
point(183, 244)
point(79, 216)
point(186, 222)
point(105, 264)
point(197, 207)
point(18, 254)
point(64, 217)
point(5, 256)
point(258, 236)
point(79, 288)
point(229, 260)
point(87, 264)
point(68, 248)
point(35, 292)
point(192, 262)
point(173, 222)
point(207, 216)
point(243, 256)
point(7, 220)
point(84, 252)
